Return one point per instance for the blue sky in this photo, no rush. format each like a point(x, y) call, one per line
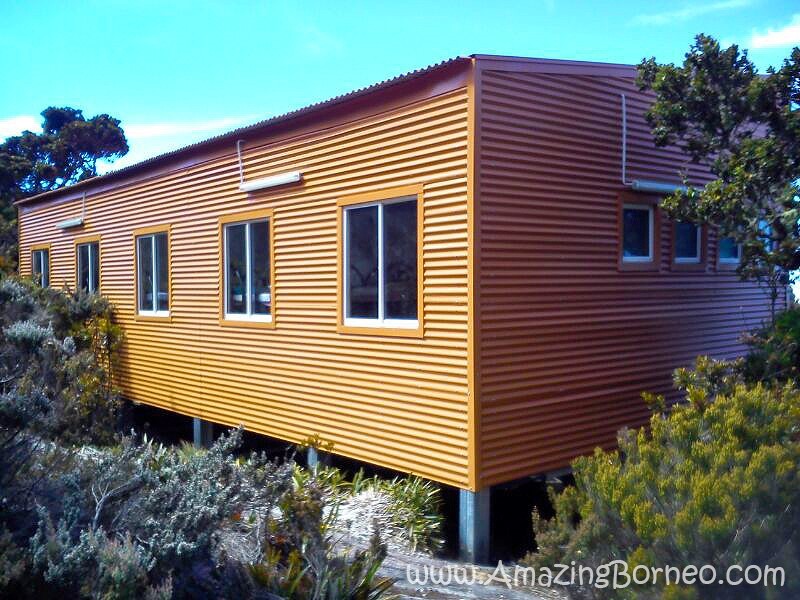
point(176, 72)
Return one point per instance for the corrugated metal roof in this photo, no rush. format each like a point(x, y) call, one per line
point(259, 126)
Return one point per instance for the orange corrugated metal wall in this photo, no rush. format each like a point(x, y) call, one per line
point(567, 341)
point(401, 403)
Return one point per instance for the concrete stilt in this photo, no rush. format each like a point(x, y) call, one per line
point(203, 433)
point(473, 525)
point(312, 459)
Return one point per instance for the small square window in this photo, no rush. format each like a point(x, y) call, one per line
point(729, 251)
point(637, 233)
point(688, 243)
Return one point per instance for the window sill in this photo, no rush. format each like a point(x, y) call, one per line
point(157, 316)
point(638, 265)
point(266, 322)
point(409, 329)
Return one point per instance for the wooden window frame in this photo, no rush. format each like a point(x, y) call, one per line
point(249, 216)
point(81, 241)
point(48, 248)
point(157, 316)
point(373, 327)
point(653, 262)
point(688, 264)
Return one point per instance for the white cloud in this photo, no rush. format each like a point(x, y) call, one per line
point(783, 37)
point(16, 125)
point(688, 12)
point(140, 131)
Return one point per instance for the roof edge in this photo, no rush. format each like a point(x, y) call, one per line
point(260, 127)
point(557, 66)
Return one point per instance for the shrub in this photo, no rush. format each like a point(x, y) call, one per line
point(61, 347)
point(128, 518)
point(775, 350)
point(414, 504)
point(708, 483)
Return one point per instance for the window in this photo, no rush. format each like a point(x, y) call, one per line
point(247, 270)
point(40, 265)
point(688, 243)
point(152, 274)
point(637, 233)
point(729, 251)
point(88, 262)
point(380, 264)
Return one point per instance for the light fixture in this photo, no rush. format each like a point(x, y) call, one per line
point(656, 187)
point(272, 181)
point(76, 222)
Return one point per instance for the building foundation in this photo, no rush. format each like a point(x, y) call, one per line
point(473, 525)
point(203, 433)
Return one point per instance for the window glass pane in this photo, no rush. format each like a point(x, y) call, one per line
point(362, 262)
point(636, 233)
point(145, 263)
point(94, 251)
point(45, 268)
point(83, 267)
point(686, 241)
point(400, 260)
point(162, 266)
point(259, 268)
point(36, 262)
point(728, 249)
point(235, 269)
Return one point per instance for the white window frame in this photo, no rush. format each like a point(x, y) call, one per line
point(37, 256)
point(154, 312)
point(249, 316)
point(94, 286)
point(381, 321)
point(651, 233)
point(730, 261)
point(689, 260)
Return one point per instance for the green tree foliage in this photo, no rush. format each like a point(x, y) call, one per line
point(65, 152)
point(714, 481)
point(721, 110)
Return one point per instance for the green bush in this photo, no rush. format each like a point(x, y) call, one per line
point(775, 350)
point(87, 513)
point(60, 347)
point(415, 503)
point(711, 482)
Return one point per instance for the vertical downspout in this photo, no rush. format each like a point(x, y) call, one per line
point(624, 141)
point(239, 159)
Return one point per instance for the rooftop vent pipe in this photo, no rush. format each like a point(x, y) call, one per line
point(265, 182)
point(641, 185)
point(75, 221)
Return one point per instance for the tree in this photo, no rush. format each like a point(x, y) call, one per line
point(65, 152)
point(720, 110)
